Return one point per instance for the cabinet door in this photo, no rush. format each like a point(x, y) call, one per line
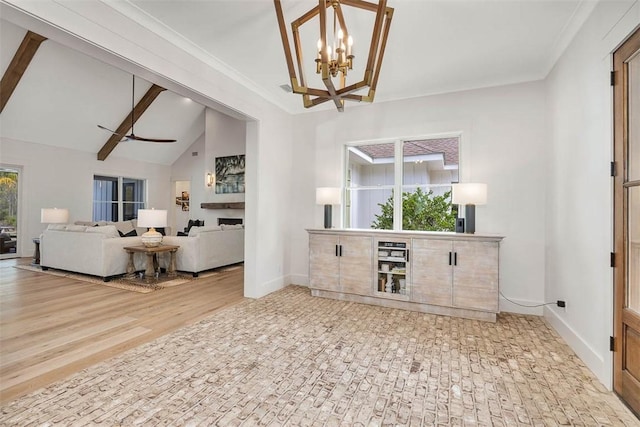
point(324, 265)
point(431, 273)
point(356, 265)
point(475, 277)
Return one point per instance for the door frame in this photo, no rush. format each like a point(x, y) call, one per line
point(21, 237)
point(621, 381)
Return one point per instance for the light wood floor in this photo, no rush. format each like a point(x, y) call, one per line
point(51, 327)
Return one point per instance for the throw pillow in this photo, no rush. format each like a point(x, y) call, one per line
point(124, 227)
point(132, 233)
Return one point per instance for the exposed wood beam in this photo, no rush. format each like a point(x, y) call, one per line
point(124, 127)
point(17, 67)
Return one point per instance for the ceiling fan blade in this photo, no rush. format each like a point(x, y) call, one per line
point(112, 131)
point(132, 136)
point(141, 139)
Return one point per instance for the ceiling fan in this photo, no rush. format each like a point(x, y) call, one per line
point(132, 136)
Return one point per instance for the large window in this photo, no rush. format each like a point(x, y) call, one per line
point(117, 198)
point(422, 170)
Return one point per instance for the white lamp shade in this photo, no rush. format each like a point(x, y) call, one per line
point(328, 196)
point(54, 216)
point(152, 218)
point(469, 194)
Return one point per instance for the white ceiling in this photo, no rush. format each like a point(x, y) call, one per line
point(434, 47)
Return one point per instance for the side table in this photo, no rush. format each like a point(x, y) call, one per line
point(36, 253)
point(152, 261)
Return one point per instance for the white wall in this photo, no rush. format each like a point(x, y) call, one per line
point(190, 166)
point(503, 133)
point(223, 136)
point(63, 178)
point(579, 208)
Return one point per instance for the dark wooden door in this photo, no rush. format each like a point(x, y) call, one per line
point(627, 221)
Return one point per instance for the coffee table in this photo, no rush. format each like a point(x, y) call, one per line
point(152, 260)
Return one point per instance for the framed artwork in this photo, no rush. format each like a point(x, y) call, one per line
point(183, 200)
point(230, 174)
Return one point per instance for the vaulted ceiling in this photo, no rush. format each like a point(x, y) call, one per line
point(435, 46)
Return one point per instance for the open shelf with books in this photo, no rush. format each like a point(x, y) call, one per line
point(392, 267)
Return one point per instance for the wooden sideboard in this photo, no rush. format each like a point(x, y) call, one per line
point(452, 274)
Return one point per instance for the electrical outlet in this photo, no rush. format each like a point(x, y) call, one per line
point(561, 303)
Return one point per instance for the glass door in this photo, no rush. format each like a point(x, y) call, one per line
point(9, 179)
point(627, 222)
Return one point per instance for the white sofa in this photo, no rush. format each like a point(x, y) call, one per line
point(97, 251)
point(208, 247)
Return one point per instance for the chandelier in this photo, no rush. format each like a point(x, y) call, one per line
point(334, 51)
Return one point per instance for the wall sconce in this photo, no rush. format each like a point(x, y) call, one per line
point(210, 179)
point(470, 195)
point(327, 196)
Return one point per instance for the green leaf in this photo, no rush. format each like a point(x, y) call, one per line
point(420, 211)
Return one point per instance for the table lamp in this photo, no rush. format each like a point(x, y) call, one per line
point(54, 216)
point(152, 218)
point(469, 194)
point(327, 196)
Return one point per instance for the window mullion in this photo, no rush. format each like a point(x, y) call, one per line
point(397, 187)
point(120, 198)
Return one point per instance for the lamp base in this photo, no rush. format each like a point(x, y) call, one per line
point(327, 216)
point(151, 238)
point(470, 219)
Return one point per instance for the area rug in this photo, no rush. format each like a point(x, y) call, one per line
point(128, 282)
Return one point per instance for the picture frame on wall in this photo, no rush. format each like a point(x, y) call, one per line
point(183, 200)
point(230, 174)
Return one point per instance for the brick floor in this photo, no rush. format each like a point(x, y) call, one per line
point(291, 359)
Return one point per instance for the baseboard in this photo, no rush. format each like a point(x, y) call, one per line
point(266, 288)
point(511, 307)
point(299, 279)
point(584, 351)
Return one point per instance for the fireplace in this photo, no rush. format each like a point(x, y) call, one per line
point(230, 221)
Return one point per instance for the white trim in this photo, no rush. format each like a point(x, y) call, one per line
point(265, 288)
point(299, 279)
point(512, 307)
point(580, 14)
point(149, 22)
point(584, 351)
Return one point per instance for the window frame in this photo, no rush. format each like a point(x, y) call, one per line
point(120, 202)
point(398, 163)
